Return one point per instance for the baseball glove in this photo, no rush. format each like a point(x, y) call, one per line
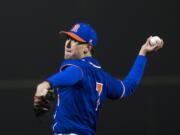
point(42, 104)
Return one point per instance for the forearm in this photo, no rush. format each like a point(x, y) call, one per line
point(135, 75)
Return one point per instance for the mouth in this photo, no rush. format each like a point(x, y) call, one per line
point(69, 51)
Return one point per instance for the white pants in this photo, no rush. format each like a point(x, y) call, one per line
point(66, 134)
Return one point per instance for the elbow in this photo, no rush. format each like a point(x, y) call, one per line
point(130, 87)
point(116, 94)
point(114, 97)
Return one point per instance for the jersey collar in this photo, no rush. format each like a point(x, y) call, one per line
point(91, 61)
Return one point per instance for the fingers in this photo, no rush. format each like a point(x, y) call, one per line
point(148, 40)
point(38, 100)
point(159, 46)
point(41, 103)
point(41, 109)
point(162, 43)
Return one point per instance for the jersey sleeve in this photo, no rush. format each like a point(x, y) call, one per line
point(70, 73)
point(115, 88)
point(67, 63)
point(124, 88)
point(134, 77)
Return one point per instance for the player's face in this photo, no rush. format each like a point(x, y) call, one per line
point(74, 49)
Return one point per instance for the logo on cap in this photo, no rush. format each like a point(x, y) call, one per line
point(75, 28)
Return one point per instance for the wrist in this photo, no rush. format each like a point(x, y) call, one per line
point(44, 86)
point(142, 52)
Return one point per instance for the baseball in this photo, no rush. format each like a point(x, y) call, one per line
point(155, 40)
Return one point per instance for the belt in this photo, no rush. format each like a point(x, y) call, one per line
point(66, 134)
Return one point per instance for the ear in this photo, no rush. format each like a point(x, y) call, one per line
point(90, 47)
point(87, 49)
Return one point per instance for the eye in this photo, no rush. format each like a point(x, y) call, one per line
point(67, 41)
point(73, 40)
point(68, 38)
point(69, 44)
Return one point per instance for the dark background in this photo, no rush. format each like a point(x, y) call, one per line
point(31, 49)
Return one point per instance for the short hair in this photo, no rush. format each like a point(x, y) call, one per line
point(92, 51)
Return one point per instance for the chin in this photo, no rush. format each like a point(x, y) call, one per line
point(67, 56)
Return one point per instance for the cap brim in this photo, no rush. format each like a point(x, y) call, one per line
point(72, 35)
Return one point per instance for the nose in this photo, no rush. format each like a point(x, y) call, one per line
point(69, 44)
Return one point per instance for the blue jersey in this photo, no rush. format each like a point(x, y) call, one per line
point(78, 104)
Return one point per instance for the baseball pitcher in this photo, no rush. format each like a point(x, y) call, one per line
point(82, 85)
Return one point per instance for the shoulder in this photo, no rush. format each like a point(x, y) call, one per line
point(67, 63)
